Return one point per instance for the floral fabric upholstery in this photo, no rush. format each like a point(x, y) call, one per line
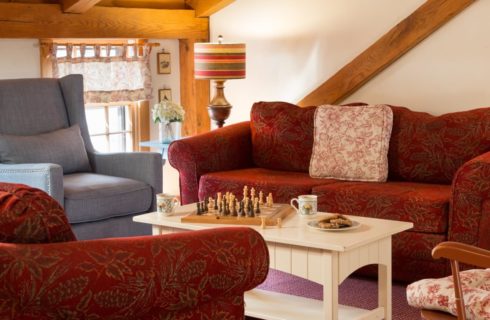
point(187, 275)
point(438, 294)
point(427, 206)
point(351, 143)
point(20, 221)
point(283, 185)
point(426, 148)
point(282, 136)
point(226, 149)
point(470, 210)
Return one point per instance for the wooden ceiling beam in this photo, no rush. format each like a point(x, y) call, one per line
point(205, 8)
point(149, 4)
point(18, 20)
point(395, 43)
point(77, 6)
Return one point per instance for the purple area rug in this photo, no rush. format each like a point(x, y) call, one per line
point(354, 291)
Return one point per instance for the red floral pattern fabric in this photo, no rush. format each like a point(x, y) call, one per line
point(426, 148)
point(283, 185)
point(187, 275)
point(470, 209)
point(427, 206)
point(228, 148)
point(21, 221)
point(438, 294)
point(282, 136)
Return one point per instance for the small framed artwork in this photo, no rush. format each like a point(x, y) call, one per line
point(164, 94)
point(163, 63)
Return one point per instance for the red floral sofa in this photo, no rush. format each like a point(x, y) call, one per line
point(439, 175)
point(46, 274)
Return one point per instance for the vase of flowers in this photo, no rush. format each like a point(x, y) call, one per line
point(169, 116)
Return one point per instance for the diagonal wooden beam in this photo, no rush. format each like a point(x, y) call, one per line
point(77, 6)
point(399, 40)
point(205, 8)
point(19, 20)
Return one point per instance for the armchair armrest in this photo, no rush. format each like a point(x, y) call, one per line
point(197, 274)
point(470, 204)
point(45, 176)
point(142, 166)
point(224, 149)
point(462, 252)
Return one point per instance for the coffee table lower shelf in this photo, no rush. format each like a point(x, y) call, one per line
point(270, 305)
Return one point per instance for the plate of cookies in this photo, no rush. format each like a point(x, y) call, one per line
point(336, 222)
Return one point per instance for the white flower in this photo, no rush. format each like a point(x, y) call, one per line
point(167, 111)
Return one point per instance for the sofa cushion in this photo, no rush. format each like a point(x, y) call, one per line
point(30, 215)
point(282, 136)
point(284, 185)
point(92, 197)
point(426, 205)
point(351, 143)
point(439, 294)
point(426, 148)
point(64, 147)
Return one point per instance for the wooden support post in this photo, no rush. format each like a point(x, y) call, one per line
point(194, 94)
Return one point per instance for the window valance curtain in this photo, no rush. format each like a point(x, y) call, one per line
point(111, 73)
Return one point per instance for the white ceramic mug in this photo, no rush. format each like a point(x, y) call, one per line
point(166, 203)
point(307, 205)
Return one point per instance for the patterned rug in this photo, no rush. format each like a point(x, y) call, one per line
point(356, 292)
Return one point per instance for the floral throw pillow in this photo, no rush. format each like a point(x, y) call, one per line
point(351, 142)
point(438, 294)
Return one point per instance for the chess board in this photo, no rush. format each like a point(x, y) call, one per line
point(269, 216)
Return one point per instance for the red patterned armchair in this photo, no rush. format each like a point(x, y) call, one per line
point(439, 175)
point(46, 274)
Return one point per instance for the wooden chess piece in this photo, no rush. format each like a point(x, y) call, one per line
point(257, 208)
point(252, 193)
point(198, 207)
point(261, 197)
point(245, 192)
point(215, 205)
point(262, 222)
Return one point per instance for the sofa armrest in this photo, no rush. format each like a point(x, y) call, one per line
point(470, 204)
point(151, 277)
point(142, 166)
point(223, 149)
point(45, 176)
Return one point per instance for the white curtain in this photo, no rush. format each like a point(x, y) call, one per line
point(111, 73)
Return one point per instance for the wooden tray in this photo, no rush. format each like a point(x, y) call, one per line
point(272, 216)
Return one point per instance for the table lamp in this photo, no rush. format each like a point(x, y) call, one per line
point(219, 62)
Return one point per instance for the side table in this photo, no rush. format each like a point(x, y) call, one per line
point(158, 145)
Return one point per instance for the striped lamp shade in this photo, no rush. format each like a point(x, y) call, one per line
point(219, 60)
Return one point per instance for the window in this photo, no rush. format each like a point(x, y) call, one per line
point(110, 127)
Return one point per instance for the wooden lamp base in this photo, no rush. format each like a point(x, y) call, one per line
point(219, 108)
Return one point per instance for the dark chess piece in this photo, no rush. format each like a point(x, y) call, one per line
point(220, 208)
point(205, 209)
point(240, 209)
point(250, 211)
point(198, 206)
point(257, 208)
point(215, 204)
point(233, 209)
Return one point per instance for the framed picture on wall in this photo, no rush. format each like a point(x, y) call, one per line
point(164, 94)
point(163, 63)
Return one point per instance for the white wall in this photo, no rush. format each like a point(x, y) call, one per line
point(294, 46)
point(164, 81)
point(19, 58)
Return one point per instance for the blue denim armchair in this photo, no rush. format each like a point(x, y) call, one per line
point(101, 199)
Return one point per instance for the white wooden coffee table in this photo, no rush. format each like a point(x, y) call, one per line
point(324, 257)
